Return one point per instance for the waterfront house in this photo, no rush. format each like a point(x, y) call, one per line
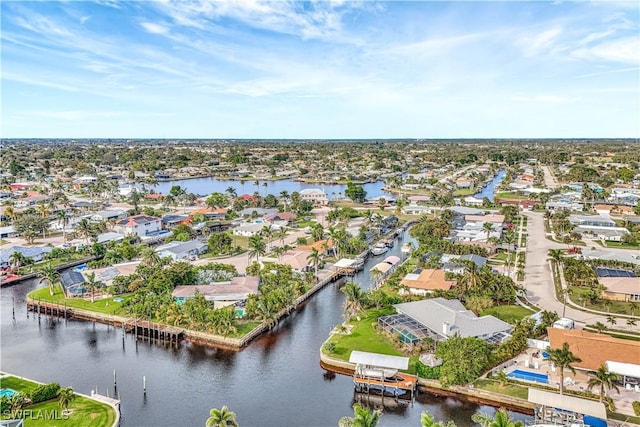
point(440, 318)
point(181, 251)
point(222, 294)
point(451, 263)
point(256, 212)
point(210, 213)
point(592, 220)
point(315, 196)
point(464, 183)
point(472, 201)
point(171, 221)
point(425, 281)
point(36, 253)
point(279, 219)
point(140, 225)
point(297, 259)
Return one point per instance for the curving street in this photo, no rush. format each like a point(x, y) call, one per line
point(539, 279)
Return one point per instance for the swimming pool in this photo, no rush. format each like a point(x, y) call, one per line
point(529, 376)
point(7, 392)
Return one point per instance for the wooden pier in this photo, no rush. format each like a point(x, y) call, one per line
point(401, 384)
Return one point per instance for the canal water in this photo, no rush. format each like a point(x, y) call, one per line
point(489, 190)
point(205, 186)
point(276, 381)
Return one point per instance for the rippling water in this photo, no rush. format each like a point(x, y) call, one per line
point(276, 381)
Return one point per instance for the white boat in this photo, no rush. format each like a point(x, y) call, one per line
point(379, 249)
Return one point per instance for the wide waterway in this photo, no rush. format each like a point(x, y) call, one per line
point(204, 186)
point(276, 381)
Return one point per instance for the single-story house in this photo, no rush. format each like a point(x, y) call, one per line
point(423, 282)
point(450, 263)
point(472, 201)
point(595, 349)
point(247, 229)
point(107, 215)
point(440, 318)
point(298, 260)
point(36, 253)
point(171, 221)
point(8, 231)
point(258, 212)
point(178, 251)
point(280, 219)
point(620, 288)
point(222, 294)
point(592, 220)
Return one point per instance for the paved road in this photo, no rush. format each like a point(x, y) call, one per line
point(538, 277)
point(549, 179)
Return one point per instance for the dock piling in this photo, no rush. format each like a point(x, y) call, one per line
point(144, 384)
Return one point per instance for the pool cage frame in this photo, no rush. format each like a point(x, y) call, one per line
point(410, 330)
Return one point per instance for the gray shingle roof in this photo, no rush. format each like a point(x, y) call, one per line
point(433, 313)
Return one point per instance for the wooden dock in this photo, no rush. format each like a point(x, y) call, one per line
point(401, 385)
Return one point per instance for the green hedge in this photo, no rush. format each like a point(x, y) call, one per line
point(428, 372)
point(636, 408)
point(45, 392)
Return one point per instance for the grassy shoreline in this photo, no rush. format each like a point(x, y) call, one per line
point(85, 411)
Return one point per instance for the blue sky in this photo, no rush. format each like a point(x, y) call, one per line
point(327, 69)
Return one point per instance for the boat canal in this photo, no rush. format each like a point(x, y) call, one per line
point(276, 381)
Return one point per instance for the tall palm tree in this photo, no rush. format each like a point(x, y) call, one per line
point(50, 275)
point(92, 284)
point(231, 192)
point(315, 258)
point(257, 247)
point(267, 232)
point(612, 320)
point(10, 213)
point(63, 220)
point(427, 420)
point(355, 298)
point(149, 257)
point(631, 322)
point(604, 380)
point(65, 397)
point(362, 417)
point(221, 418)
point(563, 359)
point(376, 275)
point(471, 277)
point(599, 327)
point(84, 229)
point(556, 255)
point(487, 227)
point(282, 234)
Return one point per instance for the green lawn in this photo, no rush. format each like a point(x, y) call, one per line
point(244, 327)
point(363, 338)
point(508, 195)
point(620, 245)
point(512, 390)
point(100, 305)
point(579, 296)
point(84, 412)
point(464, 192)
point(508, 313)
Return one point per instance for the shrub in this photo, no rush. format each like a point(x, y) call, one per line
point(329, 347)
point(45, 392)
point(5, 405)
point(636, 408)
point(429, 372)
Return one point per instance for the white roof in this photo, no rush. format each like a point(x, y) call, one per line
point(626, 369)
point(382, 267)
point(377, 359)
point(568, 403)
point(344, 263)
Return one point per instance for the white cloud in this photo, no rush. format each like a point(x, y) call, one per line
point(154, 28)
point(625, 50)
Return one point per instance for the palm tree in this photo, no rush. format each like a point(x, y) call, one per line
point(16, 260)
point(427, 420)
point(231, 192)
point(471, 277)
point(50, 275)
point(376, 275)
point(149, 257)
point(362, 417)
point(257, 247)
point(599, 327)
point(267, 231)
point(84, 229)
point(282, 234)
point(10, 213)
point(500, 419)
point(221, 418)
point(315, 259)
point(631, 322)
point(65, 397)
point(92, 284)
point(563, 358)
point(63, 220)
point(355, 298)
point(487, 227)
point(612, 320)
point(604, 380)
point(556, 255)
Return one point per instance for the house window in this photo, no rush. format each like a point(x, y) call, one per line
point(635, 297)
